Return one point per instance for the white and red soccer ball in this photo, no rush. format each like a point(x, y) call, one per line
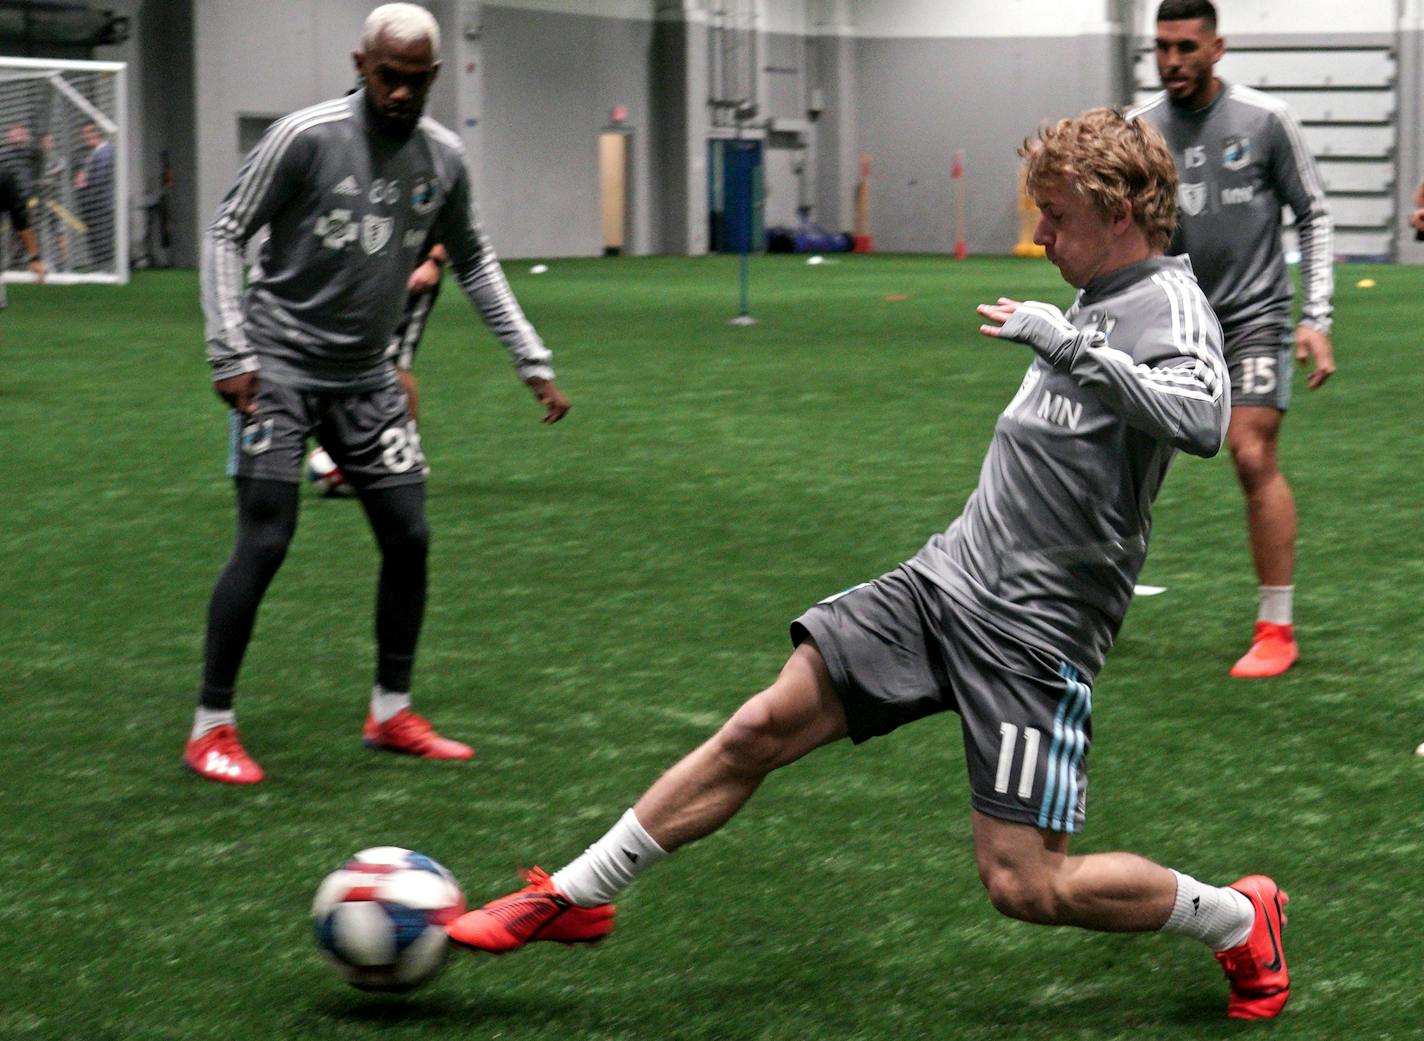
point(325, 476)
point(380, 918)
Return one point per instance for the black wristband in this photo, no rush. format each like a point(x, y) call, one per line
point(33, 258)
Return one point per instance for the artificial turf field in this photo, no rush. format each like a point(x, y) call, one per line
point(603, 593)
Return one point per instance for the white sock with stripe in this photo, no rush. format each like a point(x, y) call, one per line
point(1218, 916)
point(1275, 604)
point(385, 703)
point(208, 719)
point(609, 866)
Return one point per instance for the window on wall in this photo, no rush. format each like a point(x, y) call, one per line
point(250, 129)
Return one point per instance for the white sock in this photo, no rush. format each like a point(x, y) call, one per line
point(210, 719)
point(609, 866)
point(385, 703)
point(1275, 605)
point(1218, 916)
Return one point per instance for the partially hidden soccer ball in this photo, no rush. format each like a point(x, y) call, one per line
point(325, 476)
point(380, 918)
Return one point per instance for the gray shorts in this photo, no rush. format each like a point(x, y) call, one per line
point(899, 649)
point(1259, 362)
point(369, 434)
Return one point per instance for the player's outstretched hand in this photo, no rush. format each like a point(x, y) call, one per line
point(554, 402)
point(1000, 313)
point(240, 392)
point(1041, 326)
point(1313, 346)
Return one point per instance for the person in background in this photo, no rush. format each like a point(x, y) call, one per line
point(352, 190)
point(1241, 157)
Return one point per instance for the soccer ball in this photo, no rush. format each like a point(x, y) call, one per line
point(380, 918)
point(325, 476)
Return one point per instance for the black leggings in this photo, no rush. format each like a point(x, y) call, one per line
point(266, 522)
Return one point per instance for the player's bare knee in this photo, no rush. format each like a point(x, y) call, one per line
point(1255, 462)
point(1253, 453)
point(1017, 892)
point(749, 741)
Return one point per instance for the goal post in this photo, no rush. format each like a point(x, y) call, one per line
point(64, 138)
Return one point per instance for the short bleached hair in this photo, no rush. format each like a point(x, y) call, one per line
point(400, 23)
point(1110, 161)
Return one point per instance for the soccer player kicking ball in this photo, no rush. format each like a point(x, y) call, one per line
point(1241, 156)
point(353, 190)
point(1005, 617)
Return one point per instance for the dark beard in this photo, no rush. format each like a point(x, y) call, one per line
point(398, 130)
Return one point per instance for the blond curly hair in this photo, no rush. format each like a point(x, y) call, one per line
point(1111, 161)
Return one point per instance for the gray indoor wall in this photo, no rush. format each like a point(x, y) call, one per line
point(162, 120)
point(544, 84)
point(550, 83)
point(547, 85)
point(919, 100)
point(1410, 155)
point(262, 59)
point(788, 171)
point(835, 134)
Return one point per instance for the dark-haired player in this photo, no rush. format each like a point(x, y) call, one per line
point(1240, 157)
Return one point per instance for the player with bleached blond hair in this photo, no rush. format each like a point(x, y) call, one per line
point(353, 191)
point(1005, 617)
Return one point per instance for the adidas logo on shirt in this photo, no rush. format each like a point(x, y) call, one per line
point(348, 187)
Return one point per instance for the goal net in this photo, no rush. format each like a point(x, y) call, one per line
point(63, 137)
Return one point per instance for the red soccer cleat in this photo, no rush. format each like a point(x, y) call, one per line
point(219, 756)
point(536, 912)
point(1260, 982)
point(1273, 651)
point(410, 734)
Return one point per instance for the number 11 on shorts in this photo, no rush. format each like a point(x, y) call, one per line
point(1008, 739)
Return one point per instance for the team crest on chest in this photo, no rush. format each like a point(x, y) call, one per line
point(1236, 152)
point(425, 196)
point(376, 232)
point(1100, 322)
point(1192, 198)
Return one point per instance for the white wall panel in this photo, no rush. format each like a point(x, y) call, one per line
point(630, 9)
point(1338, 176)
point(937, 19)
point(776, 16)
point(1349, 140)
point(1376, 211)
point(1365, 106)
